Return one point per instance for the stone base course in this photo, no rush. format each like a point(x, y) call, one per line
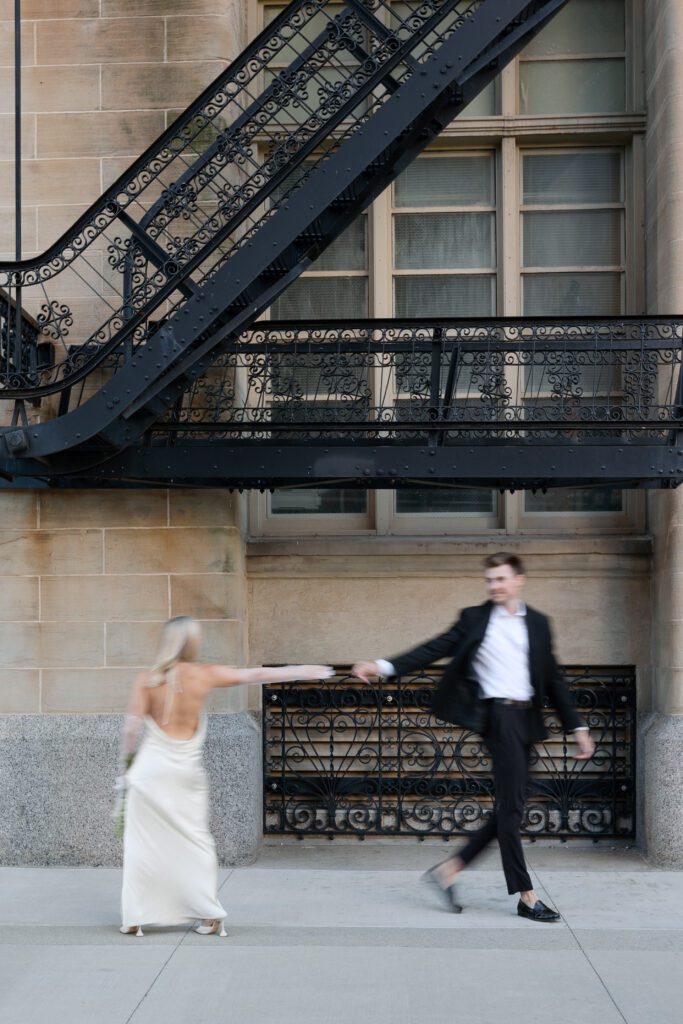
point(56, 788)
point(661, 782)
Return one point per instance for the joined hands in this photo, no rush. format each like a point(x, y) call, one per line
point(365, 670)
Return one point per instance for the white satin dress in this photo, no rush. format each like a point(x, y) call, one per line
point(170, 869)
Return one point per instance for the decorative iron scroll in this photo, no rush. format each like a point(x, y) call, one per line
point(318, 72)
point(19, 335)
point(348, 759)
point(449, 381)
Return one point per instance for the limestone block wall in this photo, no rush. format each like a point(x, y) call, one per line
point(337, 601)
point(101, 79)
point(87, 579)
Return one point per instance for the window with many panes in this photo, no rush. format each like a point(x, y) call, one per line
point(529, 204)
point(577, 65)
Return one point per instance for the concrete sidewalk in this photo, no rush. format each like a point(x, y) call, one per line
point(342, 933)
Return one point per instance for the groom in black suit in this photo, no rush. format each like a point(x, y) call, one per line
point(501, 670)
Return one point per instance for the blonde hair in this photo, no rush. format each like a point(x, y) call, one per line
point(176, 636)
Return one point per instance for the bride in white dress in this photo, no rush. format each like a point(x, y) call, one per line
point(170, 870)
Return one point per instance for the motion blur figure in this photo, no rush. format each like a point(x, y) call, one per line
point(170, 869)
point(501, 670)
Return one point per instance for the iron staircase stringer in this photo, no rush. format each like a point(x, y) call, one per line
point(299, 230)
point(258, 112)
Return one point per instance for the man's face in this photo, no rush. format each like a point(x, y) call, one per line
point(503, 584)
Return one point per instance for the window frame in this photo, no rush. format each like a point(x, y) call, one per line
point(631, 89)
point(264, 523)
point(491, 273)
point(620, 269)
point(509, 135)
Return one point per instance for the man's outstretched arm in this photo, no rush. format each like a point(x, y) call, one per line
point(418, 657)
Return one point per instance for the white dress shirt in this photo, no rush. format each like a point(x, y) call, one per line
point(501, 664)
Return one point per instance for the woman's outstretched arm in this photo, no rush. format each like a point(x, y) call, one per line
point(138, 706)
point(223, 675)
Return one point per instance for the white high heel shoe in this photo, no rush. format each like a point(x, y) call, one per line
point(216, 927)
point(135, 930)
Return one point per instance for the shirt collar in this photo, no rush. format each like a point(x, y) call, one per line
point(499, 610)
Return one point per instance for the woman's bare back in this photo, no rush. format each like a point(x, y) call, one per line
point(177, 704)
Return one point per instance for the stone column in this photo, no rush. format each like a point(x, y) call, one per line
point(661, 728)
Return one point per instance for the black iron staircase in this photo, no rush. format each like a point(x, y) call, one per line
point(245, 190)
point(129, 351)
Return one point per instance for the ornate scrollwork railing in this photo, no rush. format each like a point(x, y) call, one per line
point(318, 72)
point(344, 758)
point(450, 382)
point(19, 334)
point(248, 187)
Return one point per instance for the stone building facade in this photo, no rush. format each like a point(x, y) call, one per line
point(89, 576)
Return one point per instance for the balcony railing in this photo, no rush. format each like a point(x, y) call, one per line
point(502, 403)
point(442, 382)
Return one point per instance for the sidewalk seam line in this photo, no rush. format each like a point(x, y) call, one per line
point(167, 961)
point(155, 979)
point(585, 955)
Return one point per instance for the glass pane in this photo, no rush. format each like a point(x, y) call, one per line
point(561, 179)
point(468, 501)
point(348, 252)
point(318, 501)
point(583, 26)
point(572, 87)
point(486, 104)
point(573, 239)
point(575, 499)
point(572, 294)
point(447, 181)
point(322, 298)
point(441, 295)
point(444, 240)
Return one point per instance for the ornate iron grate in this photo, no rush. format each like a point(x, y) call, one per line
point(346, 759)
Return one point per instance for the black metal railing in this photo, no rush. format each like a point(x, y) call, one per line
point(525, 404)
point(443, 382)
point(19, 340)
point(311, 79)
point(344, 758)
point(245, 189)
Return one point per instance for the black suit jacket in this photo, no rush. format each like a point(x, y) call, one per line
point(457, 699)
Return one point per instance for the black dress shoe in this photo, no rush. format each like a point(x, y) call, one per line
point(539, 912)
point(447, 896)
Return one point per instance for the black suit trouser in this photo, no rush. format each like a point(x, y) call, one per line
point(507, 738)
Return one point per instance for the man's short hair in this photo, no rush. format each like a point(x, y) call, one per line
point(505, 558)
